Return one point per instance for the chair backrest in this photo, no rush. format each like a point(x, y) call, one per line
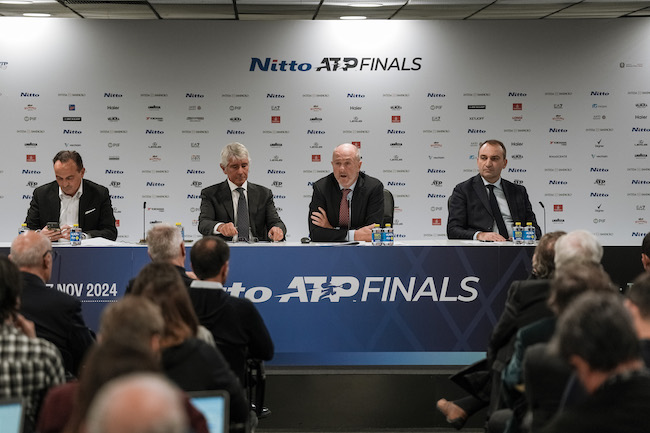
point(389, 207)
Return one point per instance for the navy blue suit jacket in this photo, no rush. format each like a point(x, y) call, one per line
point(217, 206)
point(367, 206)
point(469, 208)
point(95, 209)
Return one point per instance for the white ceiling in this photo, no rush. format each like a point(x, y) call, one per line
point(328, 9)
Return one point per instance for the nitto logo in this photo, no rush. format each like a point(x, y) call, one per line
point(114, 172)
point(234, 132)
point(113, 95)
point(356, 95)
point(276, 172)
point(313, 131)
point(155, 184)
point(71, 131)
point(593, 93)
point(598, 194)
point(640, 182)
point(598, 170)
point(436, 196)
point(436, 95)
point(557, 130)
point(638, 235)
point(194, 95)
point(190, 171)
point(390, 183)
point(516, 170)
point(274, 95)
point(276, 66)
point(516, 94)
point(558, 182)
point(476, 131)
point(154, 131)
point(640, 130)
point(193, 196)
point(29, 95)
point(117, 197)
point(395, 131)
point(436, 170)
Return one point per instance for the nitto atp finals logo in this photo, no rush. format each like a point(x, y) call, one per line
point(332, 64)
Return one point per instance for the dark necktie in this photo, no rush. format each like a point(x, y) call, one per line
point(344, 212)
point(496, 213)
point(242, 216)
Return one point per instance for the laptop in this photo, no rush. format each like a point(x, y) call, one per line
point(215, 406)
point(11, 415)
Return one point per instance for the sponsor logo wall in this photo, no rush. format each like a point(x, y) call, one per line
point(149, 105)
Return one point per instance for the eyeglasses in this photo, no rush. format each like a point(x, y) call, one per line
point(54, 254)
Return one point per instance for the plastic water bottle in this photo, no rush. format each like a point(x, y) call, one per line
point(389, 237)
point(518, 234)
point(529, 235)
point(23, 228)
point(180, 227)
point(376, 235)
point(75, 235)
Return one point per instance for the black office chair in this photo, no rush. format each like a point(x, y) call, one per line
point(256, 386)
point(389, 208)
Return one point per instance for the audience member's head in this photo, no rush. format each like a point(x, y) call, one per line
point(574, 278)
point(32, 252)
point(133, 320)
point(544, 256)
point(10, 288)
point(577, 245)
point(161, 283)
point(142, 403)
point(638, 303)
point(165, 244)
point(103, 363)
point(595, 335)
point(645, 252)
point(209, 257)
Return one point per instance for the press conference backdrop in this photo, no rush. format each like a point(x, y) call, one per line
point(150, 104)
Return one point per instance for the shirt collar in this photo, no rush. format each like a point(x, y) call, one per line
point(234, 187)
point(200, 284)
point(351, 186)
point(76, 195)
point(497, 184)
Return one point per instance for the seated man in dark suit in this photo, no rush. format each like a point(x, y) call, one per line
point(346, 204)
point(57, 315)
point(222, 203)
point(476, 213)
point(238, 329)
point(596, 336)
point(71, 199)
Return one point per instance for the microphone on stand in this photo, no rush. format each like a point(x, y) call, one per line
point(144, 223)
point(349, 199)
point(544, 209)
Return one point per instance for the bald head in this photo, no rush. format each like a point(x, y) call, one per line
point(139, 403)
point(29, 253)
point(346, 164)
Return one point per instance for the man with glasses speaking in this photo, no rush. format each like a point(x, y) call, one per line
point(57, 315)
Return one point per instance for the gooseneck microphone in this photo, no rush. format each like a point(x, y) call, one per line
point(144, 223)
point(544, 209)
point(349, 198)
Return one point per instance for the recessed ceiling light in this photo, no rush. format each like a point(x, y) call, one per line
point(352, 17)
point(365, 5)
point(36, 15)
